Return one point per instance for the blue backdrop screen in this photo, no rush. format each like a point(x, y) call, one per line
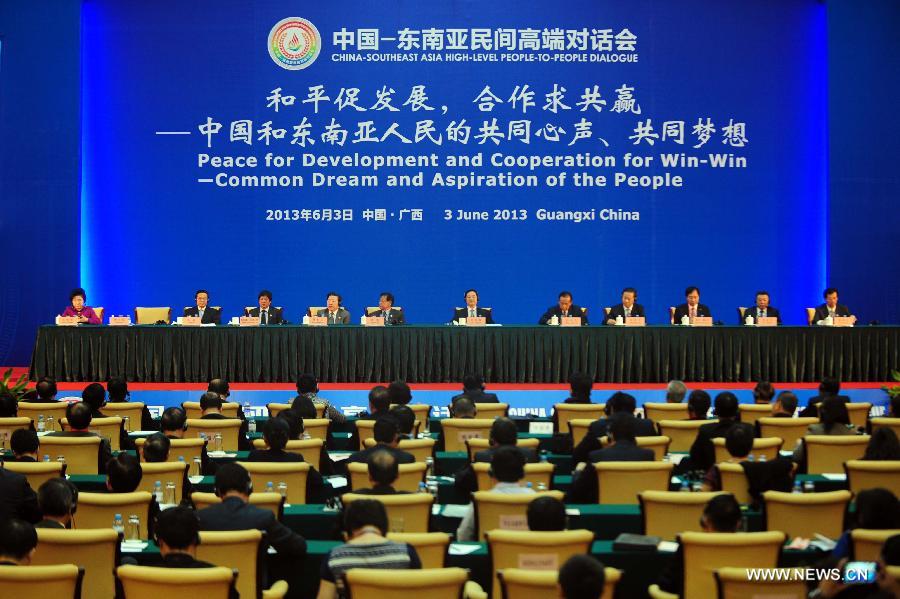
point(594, 98)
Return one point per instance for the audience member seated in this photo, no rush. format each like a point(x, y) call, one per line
point(379, 404)
point(876, 509)
point(45, 391)
point(406, 420)
point(473, 389)
point(504, 433)
point(79, 417)
point(618, 403)
point(582, 576)
point(58, 500)
point(123, 473)
point(8, 406)
point(117, 389)
point(275, 434)
point(400, 393)
point(829, 387)
point(25, 445)
point(211, 409)
point(547, 514)
point(698, 404)
point(304, 408)
point(387, 435)
point(762, 476)
point(834, 420)
point(233, 487)
point(293, 422)
point(156, 450)
point(365, 528)
point(703, 454)
point(675, 392)
point(884, 587)
point(721, 514)
point(507, 472)
point(18, 540)
point(173, 424)
point(461, 408)
point(763, 393)
point(383, 473)
point(883, 445)
point(17, 498)
point(308, 387)
point(94, 395)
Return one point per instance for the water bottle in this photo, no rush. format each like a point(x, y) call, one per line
point(46, 458)
point(51, 424)
point(423, 488)
point(697, 486)
point(251, 425)
point(528, 485)
point(433, 488)
point(761, 458)
point(809, 487)
point(198, 467)
point(118, 525)
point(127, 424)
point(157, 491)
point(218, 442)
point(270, 488)
point(685, 486)
point(541, 487)
point(282, 489)
point(134, 527)
point(750, 458)
point(170, 493)
point(544, 457)
point(41, 425)
point(61, 459)
point(797, 487)
point(429, 466)
point(181, 459)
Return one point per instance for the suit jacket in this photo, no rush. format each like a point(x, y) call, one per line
point(379, 490)
point(585, 488)
point(812, 406)
point(244, 443)
point(401, 456)
point(822, 312)
point(482, 312)
point(210, 315)
point(599, 428)
point(234, 514)
point(275, 314)
point(49, 524)
point(394, 316)
point(555, 311)
point(703, 452)
point(342, 316)
point(619, 310)
point(105, 450)
point(683, 310)
point(17, 498)
point(770, 312)
point(477, 396)
point(315, 486)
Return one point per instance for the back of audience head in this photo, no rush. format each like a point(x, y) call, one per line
point(622, 427)
point(883, 445)
point(58, 500)
point(675, 392)
point(275, 433)
point(9, 407)
point(304, 407)
point(233, 478)
point(547, 513)
point(220, 387)
point(383, 468)
point(406, 418)
point(507, 465)
point(763, 392)
point(46, 389)
point(504, 432)
point(582, 577)
point(787, 401)
point(473, 382)
point(24, 442)
point(463, 408)
point(829, 386)
point(211, 401)
point(173, 420)
point(123, 473)
point(379, 400)
point(17, 541)
point(580, 385)
point(117, 388)
point(386, 430)
point(726, 405)
point(620, 402)
point(177, 529)
point(94, 395)
point(307, 384)
point(877, 509)
point(79, 416)
point(293, 422)
point(833, 412)
point(721, 514)
point(156, 448)
point(399, 393)
point(365, 512)
point(739, 441)
point(698, 404)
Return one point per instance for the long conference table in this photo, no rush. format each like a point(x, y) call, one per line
point(440, 353)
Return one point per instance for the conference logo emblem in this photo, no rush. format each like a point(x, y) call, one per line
point(294, 43)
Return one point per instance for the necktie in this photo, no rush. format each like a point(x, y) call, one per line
point(627, 312)
point(265, 317)
point(332, 317)
point(693, 311)
point(387, 316)
point(761, 314)
point(472, 313)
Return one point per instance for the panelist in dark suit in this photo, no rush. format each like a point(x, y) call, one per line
point(831, 308)
point(267, 313)
point(565, 307)
point(387, 311)
point(334, 312)
point(761, 309)
point(692, 307)
point(472, 309)
point(626, 308)
point(207, 314)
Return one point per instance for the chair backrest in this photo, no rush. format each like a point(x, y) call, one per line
point(872, 474)
point(227, 427)
point(440, 583)
point(569, 411)
point(767, 446)
point(129, 412)
point(810, 314)
point(734, 481)
point(534, 550)
point(178, 448)
point(421, 449)
point(147, 582)
point(536, 474)
point(518, 583)
point(459, 430)
point(620, 482)
point(316, 428)
point(38, 582)
point(671, 314)
point(733, 583)
point(365, 430)
point(706, 552)
point(504, 511)
point(408, 480)
point(578, 428)
point(667, 514)
point(273, 502)
point(310, 449)
point(98, 510)
point(859, 413)
point(165, 473)
point(827, 453)
point(681, 432)
point(475, 445)
point(806, 514)
point(666, 411)
point(867, 543)
point(277, 408)
point(422, 412)
point(659, 444)
point(431, 546)
point(314, 310)
point(276, 591)
point(109, 428)
point(37, 473)
point(82, 453)
point(143, 315)
point(34, 411)
point(96, 551)
point(240, 550)
point(409, 512)
point(491, 410)
point(293, 474)
point(790, 430)
point(891, 423)
point(751, 412)
point(10, 425)
point(192, 409)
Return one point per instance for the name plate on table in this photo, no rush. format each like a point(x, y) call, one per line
point(767, 321)
point(843, 321)
point(318, 321)
point(119, 321)
point(702, 321)
point(476, 321)
point(374, 321)
point(249, 321)
point(66, 321)
point(635, 321)
point(570, 321)
point(190, 321)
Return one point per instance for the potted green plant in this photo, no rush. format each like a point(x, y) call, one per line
point(16, 390)
point(895, 390)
